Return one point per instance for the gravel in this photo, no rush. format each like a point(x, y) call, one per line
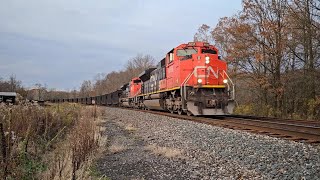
point(205, 152)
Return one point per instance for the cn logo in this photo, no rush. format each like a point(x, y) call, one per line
point(208, 69)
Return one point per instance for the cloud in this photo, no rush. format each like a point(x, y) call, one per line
point(65, 42)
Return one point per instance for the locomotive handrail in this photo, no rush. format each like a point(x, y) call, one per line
point(231, 82)
point(184, 90)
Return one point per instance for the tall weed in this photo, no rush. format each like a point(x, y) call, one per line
point(29, 133)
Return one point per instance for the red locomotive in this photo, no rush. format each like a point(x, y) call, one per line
point(191, 79)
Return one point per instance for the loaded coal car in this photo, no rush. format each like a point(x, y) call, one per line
point(83, 100)
point(124, 100)
point(109, 99)
point(89, 100)
point(101, 100)
point(104, 99)
point(115, 97)
point(98, 100)
point(94, 100)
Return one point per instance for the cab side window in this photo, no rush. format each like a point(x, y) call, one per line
point(171, 57)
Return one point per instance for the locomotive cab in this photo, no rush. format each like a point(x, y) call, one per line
point(135, 87)
point(199, 74)
point(130, 91)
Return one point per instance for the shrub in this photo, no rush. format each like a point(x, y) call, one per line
point(28, 133)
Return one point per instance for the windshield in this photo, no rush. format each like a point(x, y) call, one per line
point(208, 51)
point(186, 52)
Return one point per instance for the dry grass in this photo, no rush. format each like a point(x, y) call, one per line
point(130, 127)
point(75, 157)
point(61, 138)
point(116, 148)
point(29, 132)
point(164, 151)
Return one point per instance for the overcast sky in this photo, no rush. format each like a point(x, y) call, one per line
point(63, 42)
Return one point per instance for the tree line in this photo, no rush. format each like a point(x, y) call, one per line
point(273, 51)
point(101, 83)
point(106, 83)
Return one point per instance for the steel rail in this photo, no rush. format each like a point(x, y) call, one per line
point(296, 132)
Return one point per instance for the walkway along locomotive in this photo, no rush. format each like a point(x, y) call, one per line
point(191, 79)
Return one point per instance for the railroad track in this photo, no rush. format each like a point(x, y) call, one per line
point(297, 130)
point(293, 130)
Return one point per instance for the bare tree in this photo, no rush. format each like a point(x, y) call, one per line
point(139, 63)
point(41, 91)
point(11, 85)
point(204, 34)
point(86, 88)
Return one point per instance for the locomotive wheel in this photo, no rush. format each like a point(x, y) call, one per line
point(180, 111)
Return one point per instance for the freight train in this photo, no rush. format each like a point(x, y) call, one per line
point(191, 79)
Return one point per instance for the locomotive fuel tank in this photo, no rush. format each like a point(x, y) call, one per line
point(156, 104)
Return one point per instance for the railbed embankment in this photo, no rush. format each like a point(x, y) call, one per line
point(149, 146)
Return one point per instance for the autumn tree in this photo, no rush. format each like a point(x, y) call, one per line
point(272, 48)
point(304, 45)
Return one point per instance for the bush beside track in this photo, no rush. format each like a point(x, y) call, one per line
point(34, 140)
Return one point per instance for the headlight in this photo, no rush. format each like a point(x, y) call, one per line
point(225, 81)
point(199, 80)
point(207, 60)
